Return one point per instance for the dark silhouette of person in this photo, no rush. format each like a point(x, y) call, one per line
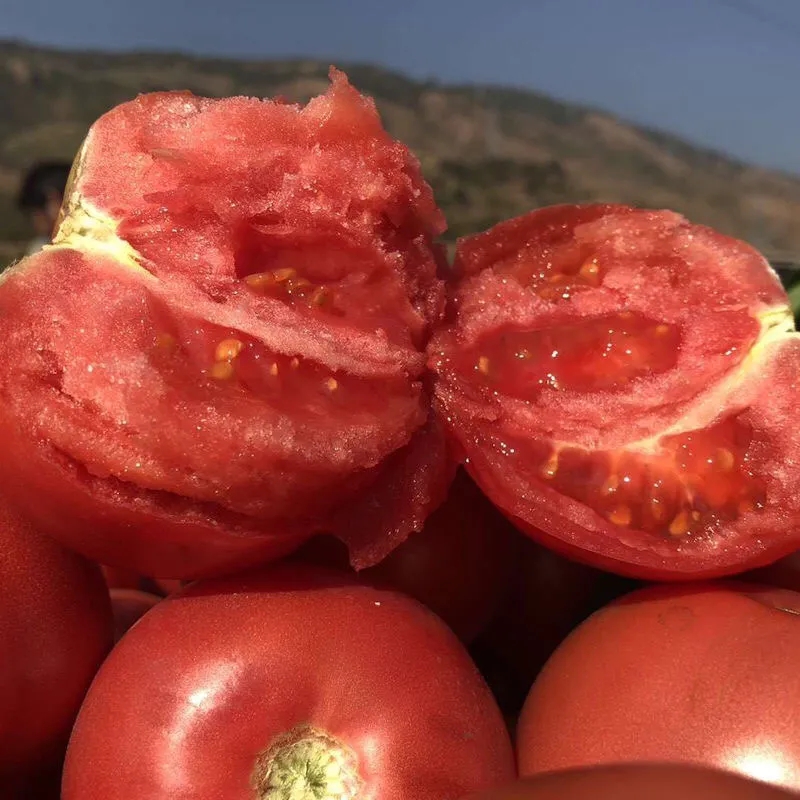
point(39, 199)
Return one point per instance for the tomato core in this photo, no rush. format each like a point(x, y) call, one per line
point(306, 764)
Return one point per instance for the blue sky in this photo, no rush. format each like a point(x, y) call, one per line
point(719, 72)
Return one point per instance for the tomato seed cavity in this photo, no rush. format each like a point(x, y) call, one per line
point(601, 354)
point(693, 481)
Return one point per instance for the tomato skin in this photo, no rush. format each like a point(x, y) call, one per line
point(699, 674)
point(636, 782)
point(211, 676)
point(55, 631)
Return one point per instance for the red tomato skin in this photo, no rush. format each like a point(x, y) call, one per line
point(700, 674)
point(211, 676)
point(55, 631)
point(636, 782)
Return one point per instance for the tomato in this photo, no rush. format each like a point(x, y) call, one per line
point(223, 352)
point(621, 383)
point(129, 606)
point(703, 674)
point(296, 678)
point(459, 565)
point(637, 782)
point(55, 630)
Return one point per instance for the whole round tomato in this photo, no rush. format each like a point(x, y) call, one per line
point(55, 630)
point(294, 682)
point(704, 674)
point(460, 565)
point(637, 782)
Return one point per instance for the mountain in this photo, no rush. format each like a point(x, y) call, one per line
point(489, 152)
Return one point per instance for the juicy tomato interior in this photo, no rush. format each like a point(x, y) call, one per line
point(235, 362)
point(554, 274)
point(599, 354)
point(596, 349)
point(684, 484)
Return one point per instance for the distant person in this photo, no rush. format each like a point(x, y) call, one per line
point(39, 199)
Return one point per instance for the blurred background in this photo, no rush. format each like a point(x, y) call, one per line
point(686, 104)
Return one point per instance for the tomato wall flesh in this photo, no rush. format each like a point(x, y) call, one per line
point(223, 350)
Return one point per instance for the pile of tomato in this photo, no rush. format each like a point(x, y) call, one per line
point(293, 508)
point(586, 667)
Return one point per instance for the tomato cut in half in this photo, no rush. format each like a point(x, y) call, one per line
point(222, 352)
point(621, 383)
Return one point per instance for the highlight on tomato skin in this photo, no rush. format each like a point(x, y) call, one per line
point(292, 681)
point(699, 674)
point(620, 382)
point(237, 289)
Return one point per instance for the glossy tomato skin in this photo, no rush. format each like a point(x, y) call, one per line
point(637, 782)
point(214, 675)
point(55, 631)
point(702, 674)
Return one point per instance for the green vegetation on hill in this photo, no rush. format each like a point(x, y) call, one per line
point(490, 153)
